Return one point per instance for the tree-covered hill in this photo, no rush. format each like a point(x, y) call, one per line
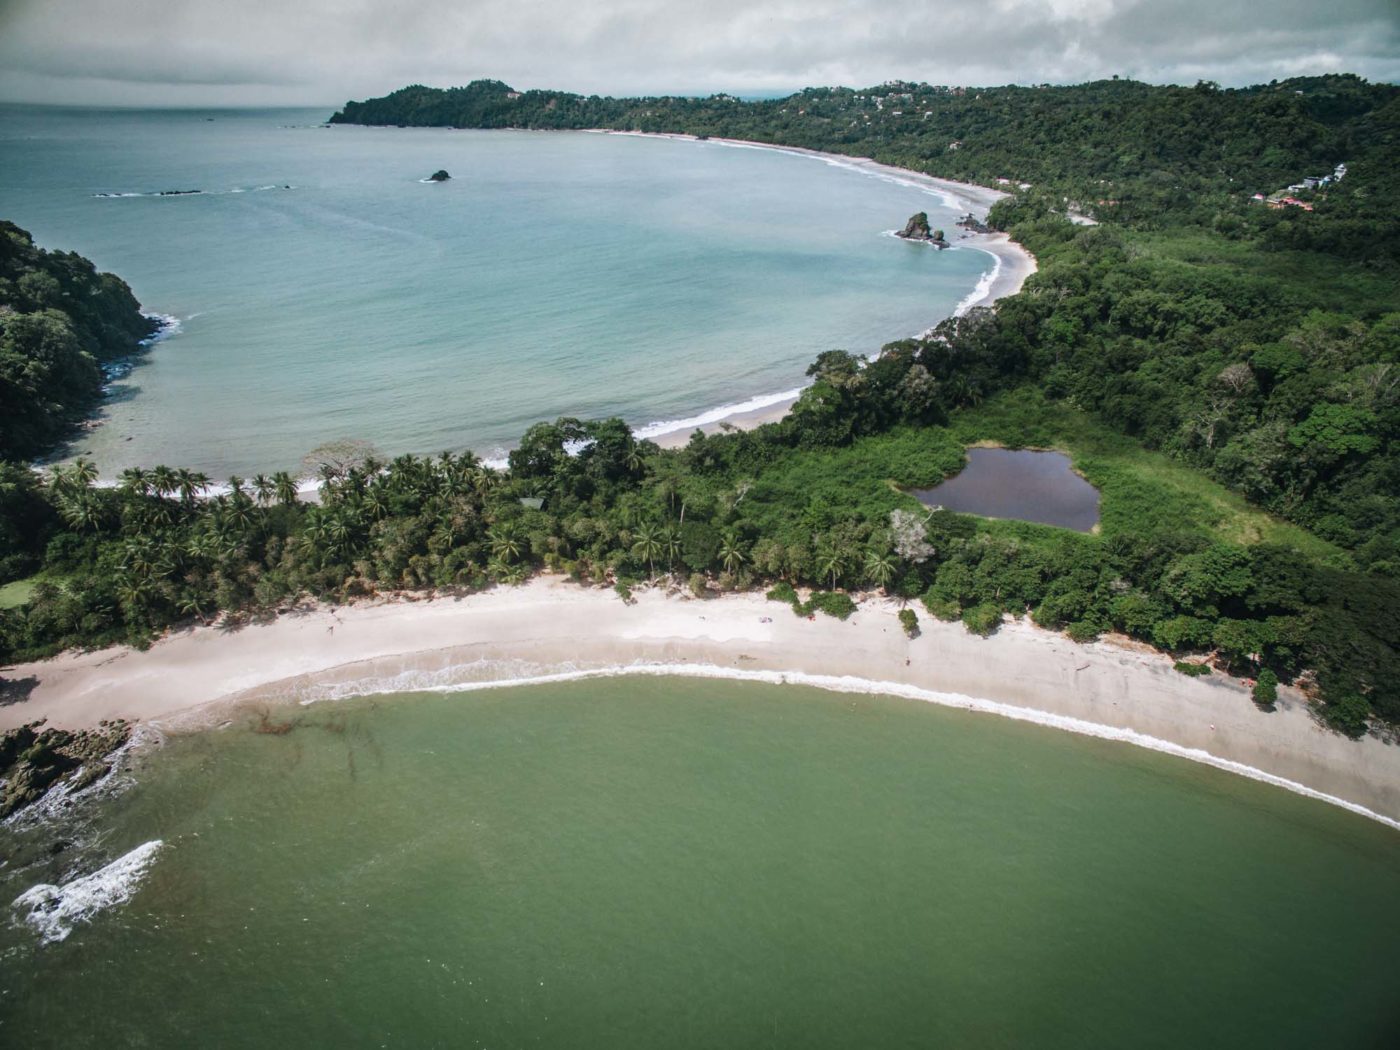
point(1119, 149)
point(60, 321)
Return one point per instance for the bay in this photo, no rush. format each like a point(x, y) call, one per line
point(325, 292)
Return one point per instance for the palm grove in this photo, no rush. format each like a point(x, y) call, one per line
point(1228, 374)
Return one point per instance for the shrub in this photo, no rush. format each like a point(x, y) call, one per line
point(1192, 670)
point(1265, 690)
point(982, 619)
point(833, 603)
point(909, 622)
point(699, 586)
point(942, 608)
point(782, 592)
point(624, 592)
point(1348, 714)
point(1082, 631)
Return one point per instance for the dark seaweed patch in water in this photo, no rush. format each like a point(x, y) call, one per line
point(1021, 485)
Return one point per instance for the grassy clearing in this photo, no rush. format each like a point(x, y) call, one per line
point(1142, 491)
point(863, 480)
point(13, 595)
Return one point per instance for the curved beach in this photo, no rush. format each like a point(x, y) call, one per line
point(553, 630)
point(1011, 266)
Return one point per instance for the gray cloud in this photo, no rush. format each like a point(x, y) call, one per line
point(324, 51)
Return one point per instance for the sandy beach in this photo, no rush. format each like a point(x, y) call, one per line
point(551, 629)
point(1012, 264)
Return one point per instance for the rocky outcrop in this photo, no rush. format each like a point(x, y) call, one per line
point(917, 229)
point(33, 760)
point(439, 176)
point(972, 224)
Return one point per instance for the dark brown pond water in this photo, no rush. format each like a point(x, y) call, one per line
point(1020, 485)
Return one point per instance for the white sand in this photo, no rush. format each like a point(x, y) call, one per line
point(1015, 264)
point(550, 628)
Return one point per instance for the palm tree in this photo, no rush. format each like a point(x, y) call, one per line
point(376, 502)
point(264, 488)
point(831, 560)
point(340, 533)
point(484, 479)
point(139, 559)
point(240, 510)
point(671, 547)
point(286, 487)
point(136, 481)
point(81, 509)
point(505, 543)
point(730, 553)
point(879, 567)
point(164, 480)
point(133, 594)
point(160, 511)
point(190, 605)
point(73, 479)
point(647, 546)
point(190, 483)
point(83, 473)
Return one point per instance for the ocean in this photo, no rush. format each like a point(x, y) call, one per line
point(667, 862)
point(324, 291)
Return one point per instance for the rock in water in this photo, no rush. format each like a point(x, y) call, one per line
point(439, 176)
point(34, 760)
point(916, 229)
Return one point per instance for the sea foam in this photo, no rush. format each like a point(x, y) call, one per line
point(715, 415)
point(983, 289)
point(54, 910)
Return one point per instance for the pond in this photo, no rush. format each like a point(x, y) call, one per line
point(1019, 484)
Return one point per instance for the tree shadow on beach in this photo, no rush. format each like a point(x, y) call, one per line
point(16, 690)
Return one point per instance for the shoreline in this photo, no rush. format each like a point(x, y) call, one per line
point(552, 630)
point(1012, 265)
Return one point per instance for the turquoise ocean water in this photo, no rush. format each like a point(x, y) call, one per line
point(556, 274)
point(672, 863)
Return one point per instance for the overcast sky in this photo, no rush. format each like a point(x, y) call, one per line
point(251, 52)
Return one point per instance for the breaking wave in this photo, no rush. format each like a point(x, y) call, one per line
point(53, 911)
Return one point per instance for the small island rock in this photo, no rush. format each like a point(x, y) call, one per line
point(917, 229)
point(439, 176)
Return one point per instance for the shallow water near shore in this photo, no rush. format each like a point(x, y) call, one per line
point(649, 862)
point(324, 291)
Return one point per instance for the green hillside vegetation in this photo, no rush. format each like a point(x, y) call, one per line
point(60, 322)
point(1117, 149)
point(1228, 374)
point(815, 500)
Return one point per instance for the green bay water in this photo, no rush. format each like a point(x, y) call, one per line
point(325, 291)
point(675, 863)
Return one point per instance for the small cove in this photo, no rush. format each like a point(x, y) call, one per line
point(1020, 485)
